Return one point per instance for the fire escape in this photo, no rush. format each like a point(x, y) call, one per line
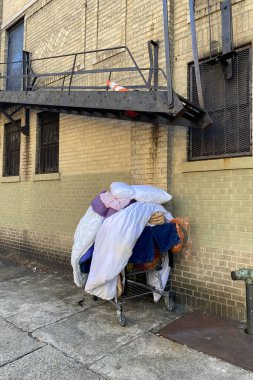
point(68, 91)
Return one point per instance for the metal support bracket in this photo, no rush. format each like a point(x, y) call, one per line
point(195, 53)
point(24, 129)
point(153, 47)
point(227, 38)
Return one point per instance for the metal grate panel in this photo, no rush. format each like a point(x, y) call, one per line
point(228, 102)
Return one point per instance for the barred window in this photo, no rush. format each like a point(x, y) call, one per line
point(48, 143)
point(228, 103)
point(11, 150)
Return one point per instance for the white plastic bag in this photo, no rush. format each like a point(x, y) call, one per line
point(158, 279)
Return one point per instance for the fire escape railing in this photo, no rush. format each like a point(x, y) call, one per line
point(30, 78)
point(48, 90)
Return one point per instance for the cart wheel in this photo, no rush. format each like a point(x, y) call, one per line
point(122, 319)
point(169, 303)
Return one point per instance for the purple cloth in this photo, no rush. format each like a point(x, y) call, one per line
point(98, 206)
point(110, 212)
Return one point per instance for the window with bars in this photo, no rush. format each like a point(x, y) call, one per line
point(228, 102)
point(11, 150)
point(48, 143)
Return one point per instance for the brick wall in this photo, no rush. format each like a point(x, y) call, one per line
point(13, 8)
point(215, 194)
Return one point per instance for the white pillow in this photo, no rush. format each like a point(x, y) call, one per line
point(122, 190)
point(146, 193)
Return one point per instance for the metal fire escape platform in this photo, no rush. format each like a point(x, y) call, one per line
point(26, 84)
point(113, 105)
point(62, 92)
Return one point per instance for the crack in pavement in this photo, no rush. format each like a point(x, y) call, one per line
point(22, 356)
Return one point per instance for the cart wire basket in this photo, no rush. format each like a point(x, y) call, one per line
point(137, 284)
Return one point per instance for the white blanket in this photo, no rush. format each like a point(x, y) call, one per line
point(84, 237)
point(114, 243)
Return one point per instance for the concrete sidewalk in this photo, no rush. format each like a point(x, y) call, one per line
point(46, 334)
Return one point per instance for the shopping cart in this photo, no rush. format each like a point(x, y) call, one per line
point(137, 276)
point(137, 285)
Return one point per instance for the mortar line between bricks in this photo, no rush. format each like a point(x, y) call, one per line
point(22, 356)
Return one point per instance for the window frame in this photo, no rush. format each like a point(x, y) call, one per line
point(190, 158)
point(8, 32)
point(7, 156)
point(47, 162)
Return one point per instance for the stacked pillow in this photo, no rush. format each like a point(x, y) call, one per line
point(141, 193)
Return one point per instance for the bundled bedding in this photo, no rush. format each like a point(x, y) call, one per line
point(121, 226)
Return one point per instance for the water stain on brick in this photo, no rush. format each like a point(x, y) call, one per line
point(226, 162)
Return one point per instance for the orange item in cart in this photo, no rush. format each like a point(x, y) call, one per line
point(183, 230)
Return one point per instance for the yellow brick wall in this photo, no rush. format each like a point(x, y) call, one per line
point(149, 155)
point(218, 201)
point(93, 153)
point(12, 8)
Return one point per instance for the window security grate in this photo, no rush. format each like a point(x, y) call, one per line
point(228, 103)
point(48, 152)
point(12, 150)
